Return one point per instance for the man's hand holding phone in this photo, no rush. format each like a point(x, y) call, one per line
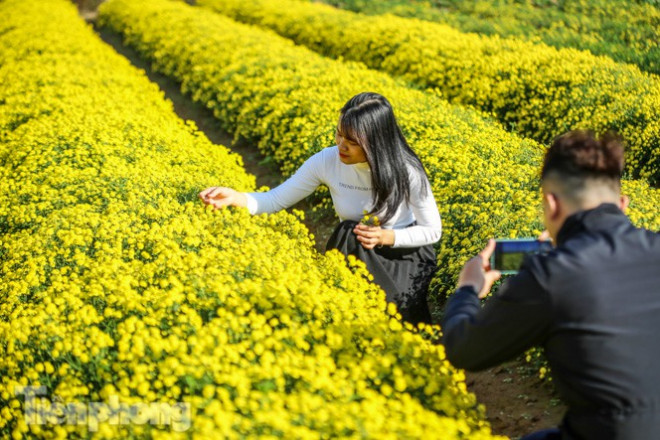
point(477, 272)
point(499, 257)
point(509, 254)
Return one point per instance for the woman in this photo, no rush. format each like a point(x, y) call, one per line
point(371, 169)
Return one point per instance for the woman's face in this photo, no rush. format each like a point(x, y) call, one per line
point(350, 152)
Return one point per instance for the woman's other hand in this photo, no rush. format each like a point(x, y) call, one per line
point(220, 196)
point(372, 236)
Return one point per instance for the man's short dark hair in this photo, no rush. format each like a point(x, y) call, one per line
point(580, 155)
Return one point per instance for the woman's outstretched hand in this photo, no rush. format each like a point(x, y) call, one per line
point(372, 236)
point(220, 196)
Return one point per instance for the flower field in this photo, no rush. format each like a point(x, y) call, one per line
point(143, 314)
point(484, 178)
point(537, 90)
point(117, 284)
point(624, 30)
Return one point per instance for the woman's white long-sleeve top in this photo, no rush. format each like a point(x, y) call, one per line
point(350, 189)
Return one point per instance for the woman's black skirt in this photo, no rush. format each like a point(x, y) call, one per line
point(403, 273)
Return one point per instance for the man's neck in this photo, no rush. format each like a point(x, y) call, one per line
point(590, 203)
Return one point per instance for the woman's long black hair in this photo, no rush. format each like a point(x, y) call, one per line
point(368, 119)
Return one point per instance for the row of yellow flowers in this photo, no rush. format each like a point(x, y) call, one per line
point(120, 291)
point(535, 89)
point(624, 30)
point(286, 98)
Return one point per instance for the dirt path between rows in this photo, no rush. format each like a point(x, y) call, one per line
point(517, 402)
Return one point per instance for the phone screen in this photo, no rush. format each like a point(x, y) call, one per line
point(509, 254)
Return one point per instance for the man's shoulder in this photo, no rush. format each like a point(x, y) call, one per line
point(594, 262)
point(565, 259)
point(554, 267)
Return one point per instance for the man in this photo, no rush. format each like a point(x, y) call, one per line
point(593, 302)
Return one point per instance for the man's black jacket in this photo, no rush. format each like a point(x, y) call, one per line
point(593, 303)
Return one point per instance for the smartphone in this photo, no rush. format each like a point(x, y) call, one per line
point(509, 253)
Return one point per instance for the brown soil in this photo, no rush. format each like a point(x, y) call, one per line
point(516, 400)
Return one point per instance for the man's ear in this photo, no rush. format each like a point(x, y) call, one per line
point(553, 205)
point(624, 201)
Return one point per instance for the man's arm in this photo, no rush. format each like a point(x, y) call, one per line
point(515, 318)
